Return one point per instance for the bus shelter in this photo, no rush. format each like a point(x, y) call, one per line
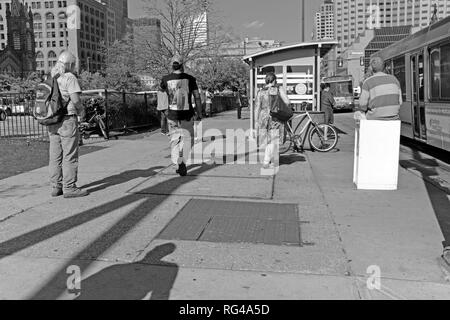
point(297, 67)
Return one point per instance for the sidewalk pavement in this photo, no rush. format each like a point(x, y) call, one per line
point(112, 236)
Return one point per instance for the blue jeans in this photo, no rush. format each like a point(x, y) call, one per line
point(64, 138)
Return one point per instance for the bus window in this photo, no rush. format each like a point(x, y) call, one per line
point(339, 89)
point(435, 73)
point(400, 74)
point(440, 73)
point(445, 72)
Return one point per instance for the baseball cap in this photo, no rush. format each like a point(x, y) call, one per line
point(177, 59)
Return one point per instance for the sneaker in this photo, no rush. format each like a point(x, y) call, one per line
point(182, 170)
point(75, 193)
point(57, 192)
point(268, 166)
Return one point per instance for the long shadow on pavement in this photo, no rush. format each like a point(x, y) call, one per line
point(438, 194)
point(121, 178)
point(57, 284)
point(134, 281)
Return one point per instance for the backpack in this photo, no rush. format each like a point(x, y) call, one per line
point(278, 108)
point(49, 108)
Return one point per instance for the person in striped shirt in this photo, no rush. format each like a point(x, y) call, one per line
point(381, 95)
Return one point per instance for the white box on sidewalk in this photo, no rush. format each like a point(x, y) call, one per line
point(377, 151)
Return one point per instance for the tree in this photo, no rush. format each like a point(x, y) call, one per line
point(91, 81)
point(215, 71)
point(183, 34)
point(118, 73)
point(10, 83)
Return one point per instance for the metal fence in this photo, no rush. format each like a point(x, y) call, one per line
point(16, 120)
point(125, 112)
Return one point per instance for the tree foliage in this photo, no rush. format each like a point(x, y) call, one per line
point(10, 83)
point(118, 73)
point(217, 71)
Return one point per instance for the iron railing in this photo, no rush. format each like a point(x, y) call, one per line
point(125, 111)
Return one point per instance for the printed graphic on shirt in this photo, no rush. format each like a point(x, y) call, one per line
point(178, 94)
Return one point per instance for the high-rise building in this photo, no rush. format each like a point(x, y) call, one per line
point(18, 56)
point(193, 32)
point(99, 20)
point(118, 12)
point(147, 37)
point(353, 17)
point(325, 22)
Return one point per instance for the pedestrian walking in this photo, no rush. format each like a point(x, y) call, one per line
point(202, 93)
point(64, 136)
point(269, 128)
point(163, 107)
point(209, 100)
point(381, 95)
point(327, 103)
point(181, 88)
point(237, 97)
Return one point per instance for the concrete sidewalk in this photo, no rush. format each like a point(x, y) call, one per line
point(112, 235)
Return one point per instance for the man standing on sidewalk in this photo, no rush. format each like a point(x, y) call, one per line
point(180, 88)
point(64, 136)
point(381, 95)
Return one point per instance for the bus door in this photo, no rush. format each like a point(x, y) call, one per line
point(418, 95)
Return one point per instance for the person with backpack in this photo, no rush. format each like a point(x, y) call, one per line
point(181, 89)
point(272, 111)
point(64, 133)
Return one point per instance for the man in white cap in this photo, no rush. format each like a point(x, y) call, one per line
point(180, 88)
point(64, 136)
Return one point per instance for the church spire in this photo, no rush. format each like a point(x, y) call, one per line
point(16, 8)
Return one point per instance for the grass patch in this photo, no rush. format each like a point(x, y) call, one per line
point(17, 156)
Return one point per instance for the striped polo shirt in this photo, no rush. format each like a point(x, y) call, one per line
point(381, 97)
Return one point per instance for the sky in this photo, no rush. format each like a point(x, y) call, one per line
point(267, 19)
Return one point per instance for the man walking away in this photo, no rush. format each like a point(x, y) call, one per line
point(163, 106)
point(180, 88)
point(381, 95)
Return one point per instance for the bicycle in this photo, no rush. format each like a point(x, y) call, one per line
point(96, 124)
point(322, 137)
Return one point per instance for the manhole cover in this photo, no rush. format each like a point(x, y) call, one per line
point(235, 222)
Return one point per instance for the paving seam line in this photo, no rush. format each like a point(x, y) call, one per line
point(349, 272)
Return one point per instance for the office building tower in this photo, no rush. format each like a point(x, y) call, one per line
point(325, 22)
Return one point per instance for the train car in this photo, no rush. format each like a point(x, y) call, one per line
point(421, 62)
point(342, 89)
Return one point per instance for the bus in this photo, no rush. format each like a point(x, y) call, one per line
point(342, 89)
point(421, 63)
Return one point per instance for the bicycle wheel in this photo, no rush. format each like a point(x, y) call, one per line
point(285, 142)
point(319, 142)
point(102, 126)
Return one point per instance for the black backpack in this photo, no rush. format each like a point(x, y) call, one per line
point(278, 108)
point(49, 107)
